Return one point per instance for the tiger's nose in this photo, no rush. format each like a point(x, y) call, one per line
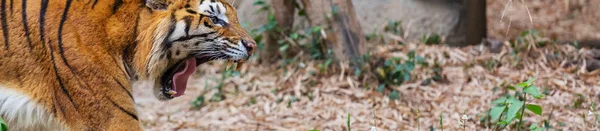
point(250, 45)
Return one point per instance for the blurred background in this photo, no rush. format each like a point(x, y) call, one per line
point(399, 65)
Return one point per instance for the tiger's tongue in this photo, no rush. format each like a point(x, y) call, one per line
point(181, 77)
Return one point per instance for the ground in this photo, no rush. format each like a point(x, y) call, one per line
point(260, 98)
point(559, 19)
point(300, 97)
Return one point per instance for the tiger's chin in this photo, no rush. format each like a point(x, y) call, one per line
point(173, 82)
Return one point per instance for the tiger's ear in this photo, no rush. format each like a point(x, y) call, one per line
point(157, 4)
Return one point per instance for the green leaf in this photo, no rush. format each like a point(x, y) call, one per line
point(328, 62)
point(496, 112)
point(441, 122)
point(534, 127)
point(411, 54)
point(258, 2)
point(511, 88)
point(380, 88)
point(317, 29)
point(409, 66)
point(512, 100)
point(284, 47)
point(530, 81)
point(513, 109)
point(349, 122)
point(335, 9)
point(302, 13)
point(500, 100)
point(294, 35)
point(503, 123)
point(534, 108)
point(3, 126)
point(394, 95)
point(522, 85)
point(533, 91)
point(433, 39)
point(406, 76)
point(199, 102)
point(387, 63)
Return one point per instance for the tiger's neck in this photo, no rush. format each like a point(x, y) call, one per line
point(126, 33)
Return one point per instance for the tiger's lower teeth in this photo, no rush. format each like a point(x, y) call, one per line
point(171, 92)
point(239, 65)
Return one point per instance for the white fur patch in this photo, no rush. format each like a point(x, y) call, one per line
point(242, 53)
point(23, 114)
point(218, 7)
point(156, 64)
point(178, 32)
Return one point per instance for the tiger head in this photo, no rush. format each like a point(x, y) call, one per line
point(183, 34)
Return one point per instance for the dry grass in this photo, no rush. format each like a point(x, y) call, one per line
point(260, 98)
point(323, 101)
point(559, 19)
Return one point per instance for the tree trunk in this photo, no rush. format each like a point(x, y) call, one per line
point(284, 14)
point(344, 36)
point(476, 21)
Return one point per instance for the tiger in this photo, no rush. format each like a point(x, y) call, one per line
point(70, 64)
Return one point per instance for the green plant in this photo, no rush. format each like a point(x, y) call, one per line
point(394, 95)
point(512, 107)
point(394, 27)
point(417, 113)
point(394, 71)
point(227, 73)
point(527, 39)
point(593, 112)
point(441, 122)
point(3, 126)
point(432, 39)
point(198, 102)
point(348, 123)
point(534, 127)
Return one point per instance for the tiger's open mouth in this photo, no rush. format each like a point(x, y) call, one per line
point(174, 80)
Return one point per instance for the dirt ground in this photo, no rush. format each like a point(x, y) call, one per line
point(260, 98)
point(295, 98)
point(558, 19)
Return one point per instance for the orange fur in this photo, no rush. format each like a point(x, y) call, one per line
point(80, 76)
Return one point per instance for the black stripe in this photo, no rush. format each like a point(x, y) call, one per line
point(213, 1)
point(218, 9)
point(60, 42)
point(201, 1)
point(60, 29)
point(42, 16)
point(135, 28)
point(116, 5)
point(188, 23)
point(58, 78)
point(57, 104)
point(4, 23)
point(11, 6)
point(194, 36)
point(24, 21)
point(191, 11)
point(122, 109)
point(170, 32)
point(127, 53)
point(94, 5)
point(207, 24)
point(201, 16)
point(212, 8)
point(124, 88)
